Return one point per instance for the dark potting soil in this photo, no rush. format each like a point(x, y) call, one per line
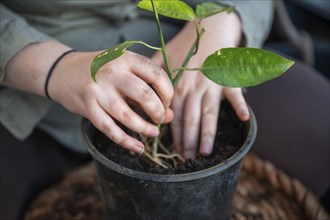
point(230, 137)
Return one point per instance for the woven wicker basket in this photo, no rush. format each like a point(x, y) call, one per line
point(264, 192)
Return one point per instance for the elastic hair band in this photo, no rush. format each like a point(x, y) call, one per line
point(52, 69)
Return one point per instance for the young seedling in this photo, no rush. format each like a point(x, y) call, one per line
point(230, 67)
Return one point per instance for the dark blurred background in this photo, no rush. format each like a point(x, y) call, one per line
point(302, 30)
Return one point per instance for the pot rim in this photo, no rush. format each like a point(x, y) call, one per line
point(235, 158)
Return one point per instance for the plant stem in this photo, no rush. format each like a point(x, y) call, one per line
point(167, 66)
point(191, 52)
point(196, 43)
point(162, 42)
point(169, 71)
point(186, 68)
point(155, 143)
point(151, 47)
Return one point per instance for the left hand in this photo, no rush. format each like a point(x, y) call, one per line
point(196, 102)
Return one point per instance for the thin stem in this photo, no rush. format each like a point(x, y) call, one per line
point(155, 143)
point(162, 42)
point(188, 56)
point(186, 68)
point(151, 47)
point(167, 66)
point(198, 37)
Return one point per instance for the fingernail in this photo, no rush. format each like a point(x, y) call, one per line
point(154, 131)
point(141, 151)
point(189, 155)
point(245, 114)
point(244, 111)
point(139, 148)
point(206, 148)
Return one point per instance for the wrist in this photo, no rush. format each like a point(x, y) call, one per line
point(71, 76)
point(224, 29)
point(51, 70)
point(27, 70)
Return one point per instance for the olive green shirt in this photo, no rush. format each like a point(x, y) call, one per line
point(85, 25)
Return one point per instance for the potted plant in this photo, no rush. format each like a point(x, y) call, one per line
point(159, 183)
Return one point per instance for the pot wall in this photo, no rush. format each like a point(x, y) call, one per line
point(206, 194)
point(126, 197)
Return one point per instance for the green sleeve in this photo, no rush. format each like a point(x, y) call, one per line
point(256, 17)
point(20, 111)
point(15, 34)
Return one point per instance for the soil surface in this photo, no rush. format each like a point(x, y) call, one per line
point(230, 137)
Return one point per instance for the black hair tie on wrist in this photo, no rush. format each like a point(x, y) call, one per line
point(52, 69)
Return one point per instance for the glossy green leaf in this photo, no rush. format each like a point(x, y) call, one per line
point(243, 67)
point(208, 9)
point(109, 55)
point(170, 8)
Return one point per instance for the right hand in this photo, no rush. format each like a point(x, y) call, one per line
point(196, 103)
point(130, 78)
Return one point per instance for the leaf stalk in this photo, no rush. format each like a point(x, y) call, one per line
point(188, 57)
point(162, 42)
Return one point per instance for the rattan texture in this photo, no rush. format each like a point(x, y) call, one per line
point(264, 192)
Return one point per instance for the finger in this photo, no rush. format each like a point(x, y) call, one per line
point(102, 121)
point(158, 58)
point(236, 99)
point(150, 72)
point(169, 115)
point(177, 123)
point(136, 89)
point(191, 125)
point(121, 111)
point(210, 114)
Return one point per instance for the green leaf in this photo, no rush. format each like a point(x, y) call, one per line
point(170, 8)
point(208, 9)
point(243, 67)
point(111, 54)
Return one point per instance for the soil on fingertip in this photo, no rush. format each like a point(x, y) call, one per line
point(230, 136)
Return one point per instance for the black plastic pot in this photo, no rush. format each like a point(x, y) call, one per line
point(206, 194)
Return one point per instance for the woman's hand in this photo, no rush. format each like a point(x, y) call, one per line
point(196, 101)
point(132, 78)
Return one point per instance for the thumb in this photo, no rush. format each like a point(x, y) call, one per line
point(169, 115)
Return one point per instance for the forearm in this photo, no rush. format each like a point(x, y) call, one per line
point(27, 70)
point(256, 17)
point(223, 30)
